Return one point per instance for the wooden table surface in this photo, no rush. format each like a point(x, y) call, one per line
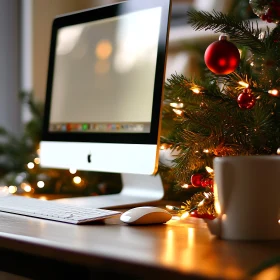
point(177, 249)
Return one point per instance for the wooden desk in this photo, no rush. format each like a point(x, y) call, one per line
point(42, 249)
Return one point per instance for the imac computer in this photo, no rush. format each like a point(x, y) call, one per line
point(104, 95)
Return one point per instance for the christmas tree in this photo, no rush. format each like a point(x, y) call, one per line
point(233, 108)
point(21, 173)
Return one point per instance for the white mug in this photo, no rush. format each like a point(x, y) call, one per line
point(247, 197)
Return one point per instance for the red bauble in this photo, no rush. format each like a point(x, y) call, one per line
point(195, 214)
point(207, 182)
point(267, 10)
point(196, 180)
point(246, 100)
point(222, 57)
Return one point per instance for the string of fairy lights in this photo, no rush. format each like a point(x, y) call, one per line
point(25, 187)
point(177, 108)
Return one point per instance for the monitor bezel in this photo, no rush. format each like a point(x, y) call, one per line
point(95, 14)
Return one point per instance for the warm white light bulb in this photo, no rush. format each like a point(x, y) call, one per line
point(30, 165)
point(12, 189)
point(196, 90)
point(77, 180)
point(163, 147)
point(27, 188)
point(73, 170)
point(177, 105)
point(201, 203)
point(206, 194)
point(273, 92)
point(178, 112)
point(243, 84)
point(40, 184)
point(185, 215)
point(209, 169)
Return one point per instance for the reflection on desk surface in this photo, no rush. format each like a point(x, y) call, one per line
point(180, 247)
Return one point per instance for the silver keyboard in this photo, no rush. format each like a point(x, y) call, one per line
point(52, 210)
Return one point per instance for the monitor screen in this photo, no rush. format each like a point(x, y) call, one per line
point(104, 74)
point(105, 88)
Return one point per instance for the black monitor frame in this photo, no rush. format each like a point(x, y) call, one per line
point(98, 14)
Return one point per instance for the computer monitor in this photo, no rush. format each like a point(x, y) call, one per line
point(104, 96)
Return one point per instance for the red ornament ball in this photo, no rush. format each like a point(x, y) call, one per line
point(207, 182)
point(196, 179)
point(222, 57)
point(195, 214)
point(246, 100)
point(268, 10)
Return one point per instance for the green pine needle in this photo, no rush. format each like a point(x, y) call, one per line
point(241, 32)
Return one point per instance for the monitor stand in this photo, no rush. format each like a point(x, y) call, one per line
point(137, 190)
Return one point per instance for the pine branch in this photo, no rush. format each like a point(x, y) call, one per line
point(203, 204)
point(240, 32)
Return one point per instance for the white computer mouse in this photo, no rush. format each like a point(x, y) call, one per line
point(144, 215)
